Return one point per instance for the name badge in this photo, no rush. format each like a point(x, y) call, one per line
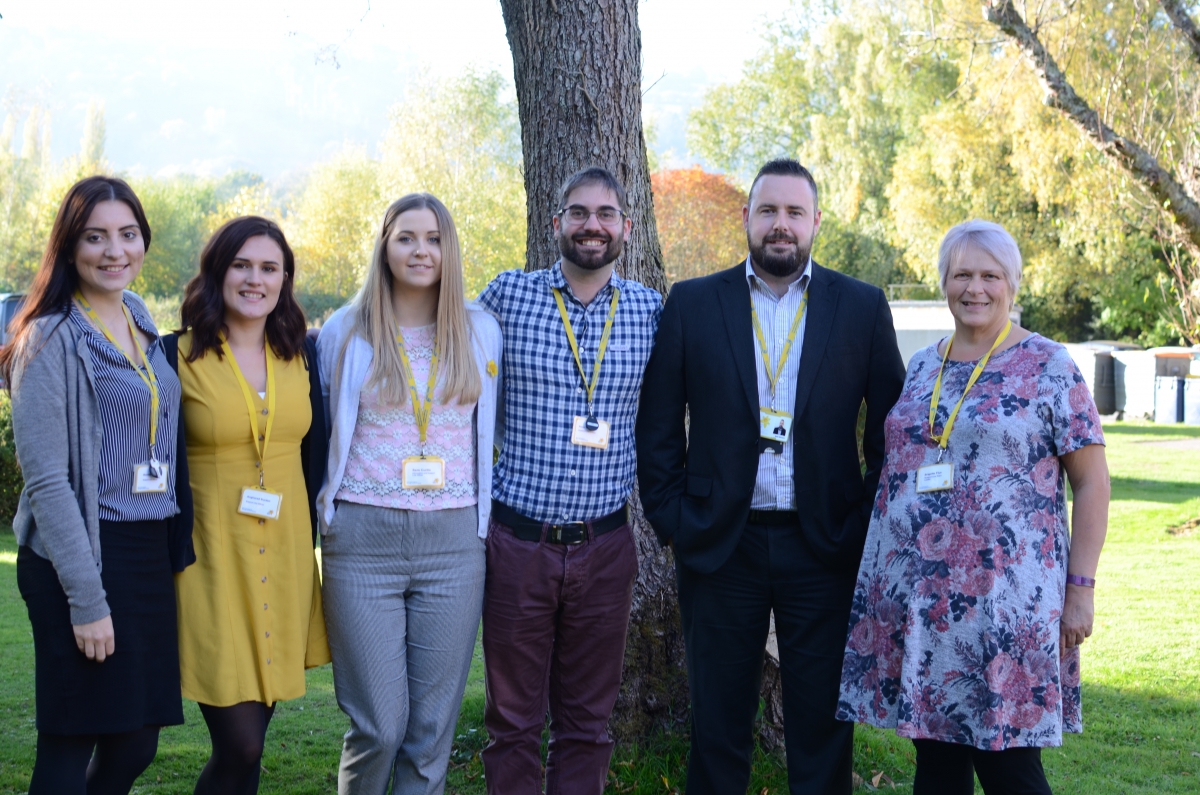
point(774, 425)
point(260, 503)
point(585, 437)
point(935, 477)
point(427, 472)
point(150, 478)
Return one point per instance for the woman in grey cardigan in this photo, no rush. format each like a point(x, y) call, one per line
point(96, 420)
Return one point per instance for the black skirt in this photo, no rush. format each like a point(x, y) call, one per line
point(139, 684)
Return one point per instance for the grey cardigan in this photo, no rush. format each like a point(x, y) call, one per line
point(56, 426)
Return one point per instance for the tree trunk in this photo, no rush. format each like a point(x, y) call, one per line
point(577, 65)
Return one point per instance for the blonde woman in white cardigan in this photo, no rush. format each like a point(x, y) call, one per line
point(410, 373)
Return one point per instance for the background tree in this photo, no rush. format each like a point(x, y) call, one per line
point(1142, 71)
point(459, 139)
point(27, 197)
point(333, 227)
point(914, 120)
point(697, 214)
point(577, 66)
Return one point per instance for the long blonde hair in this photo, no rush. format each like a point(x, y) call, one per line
point(375, 318)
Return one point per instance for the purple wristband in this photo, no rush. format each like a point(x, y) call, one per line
point(1076, 579)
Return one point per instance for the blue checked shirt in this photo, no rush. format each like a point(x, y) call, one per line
point(540, 473)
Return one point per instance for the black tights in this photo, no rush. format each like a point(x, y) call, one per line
point(238, 735)
point(92, 764)
point(950, 769)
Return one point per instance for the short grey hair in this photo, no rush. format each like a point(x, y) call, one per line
point(992, 239)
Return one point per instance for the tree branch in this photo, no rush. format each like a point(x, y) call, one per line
point(1183, 21)
point(1127, 154)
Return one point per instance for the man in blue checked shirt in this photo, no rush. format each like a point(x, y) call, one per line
point(561, 559)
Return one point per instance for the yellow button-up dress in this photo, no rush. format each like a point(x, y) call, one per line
point(250, 617)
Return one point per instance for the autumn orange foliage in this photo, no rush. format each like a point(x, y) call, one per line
point(699, 218)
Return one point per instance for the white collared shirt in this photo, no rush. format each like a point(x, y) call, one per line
point(774, 488)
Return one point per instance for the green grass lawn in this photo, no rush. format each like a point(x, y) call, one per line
point(1141, 671)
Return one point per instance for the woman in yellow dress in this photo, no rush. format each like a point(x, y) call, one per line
point(250, 613)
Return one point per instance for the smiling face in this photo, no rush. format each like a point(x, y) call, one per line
point(414, 251)
point(590, 244)
point(978, 292)
point(253, 280)
point(781, 222)
point(109, 253)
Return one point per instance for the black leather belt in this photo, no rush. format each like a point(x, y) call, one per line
point(568, 533)
point(774, 517)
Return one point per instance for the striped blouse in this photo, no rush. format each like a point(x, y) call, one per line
point(124, 403)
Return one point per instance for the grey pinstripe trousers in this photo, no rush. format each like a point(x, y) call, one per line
point(403, 591)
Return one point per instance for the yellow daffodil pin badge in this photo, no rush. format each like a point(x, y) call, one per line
point(491, 368)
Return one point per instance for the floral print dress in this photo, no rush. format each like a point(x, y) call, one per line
point(954, 628)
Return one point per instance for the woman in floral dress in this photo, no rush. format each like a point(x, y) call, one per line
point(972, 596)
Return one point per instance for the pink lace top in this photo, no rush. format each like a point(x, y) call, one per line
point(386, 435)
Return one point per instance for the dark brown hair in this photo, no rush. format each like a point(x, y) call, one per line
point(784, 167)
point(203, 309)
point(593, 175)
point(57, 279)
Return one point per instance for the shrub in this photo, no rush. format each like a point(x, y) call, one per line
point(11, 481)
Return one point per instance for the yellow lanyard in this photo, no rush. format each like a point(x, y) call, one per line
point(148, 377)
point(421, 409)
point(944, 439)
point(608, 324)
point(773, 373)
point(265, 438)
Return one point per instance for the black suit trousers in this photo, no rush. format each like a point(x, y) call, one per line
point(726, 618)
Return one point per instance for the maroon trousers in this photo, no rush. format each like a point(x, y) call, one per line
point(554, 624)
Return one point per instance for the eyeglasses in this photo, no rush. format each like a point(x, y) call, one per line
point(578, 214)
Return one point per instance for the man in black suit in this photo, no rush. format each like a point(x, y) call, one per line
point(758, 523)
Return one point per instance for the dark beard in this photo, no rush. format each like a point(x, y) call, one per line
point(590, 259)
point(781, 266)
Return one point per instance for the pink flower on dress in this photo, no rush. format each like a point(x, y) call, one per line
point(1046, 551)
point(906, 458)
point(937, 614)
point(889, 612)
point(1051, 696)
point(1081, 429)
point(986, 408)
point(1045, 476)
point(862, 637)
point(1040, 666)
point(999, 671)
point(939, 725)
point(1080, 398)
point(1026, 716)
point(1018, 688)
point(963, 554)
point(1069, 668)
point(892, 662)
point(934, 538)
point(978, 582)
point(983, 526)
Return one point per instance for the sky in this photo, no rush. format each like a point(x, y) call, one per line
point(272, 86)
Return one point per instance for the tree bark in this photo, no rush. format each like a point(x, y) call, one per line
point(1177, 11)
point(577, 65)
point(1127, 154)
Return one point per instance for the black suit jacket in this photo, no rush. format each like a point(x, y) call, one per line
point(696, 491)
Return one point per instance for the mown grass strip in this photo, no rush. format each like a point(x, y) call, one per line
point(1141, 673)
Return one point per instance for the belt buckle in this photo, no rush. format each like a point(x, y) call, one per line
point(556, 533)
